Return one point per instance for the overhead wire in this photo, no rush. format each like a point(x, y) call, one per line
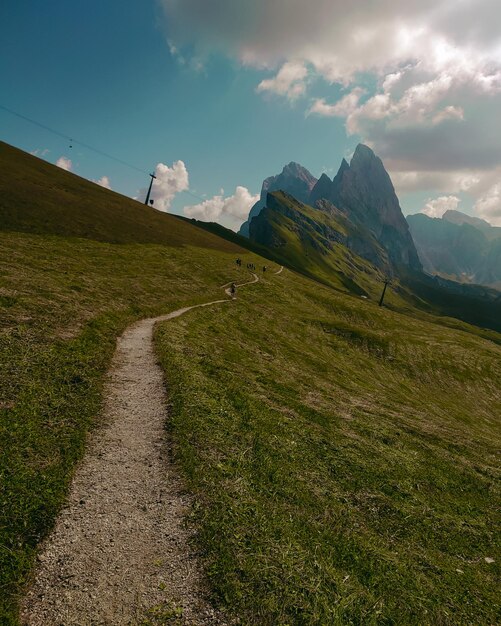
point(85, 145)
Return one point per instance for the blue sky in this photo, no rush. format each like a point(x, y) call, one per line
point(235, 90)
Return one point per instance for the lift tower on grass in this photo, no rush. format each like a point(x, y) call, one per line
point(147, 201)
point(386, 283)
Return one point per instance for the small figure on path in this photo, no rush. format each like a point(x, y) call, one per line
point(264, 269)
point(233, 290)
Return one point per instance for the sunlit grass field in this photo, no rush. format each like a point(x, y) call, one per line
point(344, 458)
point(63, 302)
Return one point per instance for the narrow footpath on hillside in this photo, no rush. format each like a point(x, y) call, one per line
point(121, 547)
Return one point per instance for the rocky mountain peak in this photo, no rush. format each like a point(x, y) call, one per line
point(364, 193)
point(362, 154)
point(294, 179)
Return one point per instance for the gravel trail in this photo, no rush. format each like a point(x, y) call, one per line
point(120, 546)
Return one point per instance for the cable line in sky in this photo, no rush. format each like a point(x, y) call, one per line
point(72, 141)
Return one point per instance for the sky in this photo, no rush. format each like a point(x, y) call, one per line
point(213, 96)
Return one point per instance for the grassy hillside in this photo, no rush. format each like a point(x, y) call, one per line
point(342, 455)
point(344, 458)
point(63, 301)
point(37, 197)
point(62, 304)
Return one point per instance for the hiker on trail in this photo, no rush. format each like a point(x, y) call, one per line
point(264, 269)
point(233, 290)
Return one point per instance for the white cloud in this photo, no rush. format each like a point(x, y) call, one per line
point(104, 181)
point(440, 181)
point(339, 39)
point(289, 81)
point(432, 113)
point(40, 152)
point(437, 207)
point(235, 207)
point(343, 107)
point(168, 182)
point(488, 206)
point(64, 163)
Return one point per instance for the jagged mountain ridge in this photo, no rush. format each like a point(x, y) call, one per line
point(361, 193)
point(456, 246)
point(457, 217)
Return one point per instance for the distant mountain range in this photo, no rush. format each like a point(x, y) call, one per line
point(459, 247)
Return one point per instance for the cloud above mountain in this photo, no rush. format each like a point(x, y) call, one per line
point(234, 208)
point(64, 163)
point(420, 80)
point(438, 206)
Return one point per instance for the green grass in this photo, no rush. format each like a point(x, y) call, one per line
point(343, 457)
point(39, 198)
point(62, 304)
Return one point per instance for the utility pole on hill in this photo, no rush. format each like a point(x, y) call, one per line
point(386, 283)
point(147, 201)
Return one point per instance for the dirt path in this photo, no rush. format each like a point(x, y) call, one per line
point(249, 282)
point(120, 547)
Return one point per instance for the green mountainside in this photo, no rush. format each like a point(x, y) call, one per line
point(343, 458)
point(314, 242)
point(319, 243)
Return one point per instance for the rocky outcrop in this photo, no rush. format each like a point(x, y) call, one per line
point(361, 193)
point(294, 179)
point(364, 193)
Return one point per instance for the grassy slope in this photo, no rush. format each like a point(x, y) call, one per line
point(63, 301)
point(343, 457)
point(40, 198)
point(309, 253)
point(323, 437)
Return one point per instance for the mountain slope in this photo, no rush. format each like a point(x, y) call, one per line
point(38, 197)
point(314, 242)
point(320, 243)
point(363, 192)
